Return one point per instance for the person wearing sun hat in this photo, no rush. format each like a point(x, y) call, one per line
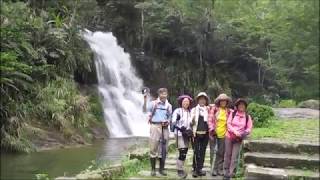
point(239, 126)
point(181, 120)
point(217, 121)
point(199, 116)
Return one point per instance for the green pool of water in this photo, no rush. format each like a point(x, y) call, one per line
point(68, 161)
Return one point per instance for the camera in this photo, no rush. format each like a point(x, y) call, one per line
point(145, 91)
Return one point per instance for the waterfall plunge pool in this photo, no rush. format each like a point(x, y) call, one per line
point(69, 161)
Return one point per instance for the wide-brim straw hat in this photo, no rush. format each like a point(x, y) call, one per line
point(241, 100)
point(203, 94)
point(222, 97)
point(182, 97)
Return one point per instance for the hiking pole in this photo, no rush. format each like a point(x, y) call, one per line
point(178, 129)
point(239, 159)
point(195, 157)
point(177, 141)
point(163, 145)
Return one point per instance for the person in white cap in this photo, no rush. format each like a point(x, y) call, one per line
point(199, 116)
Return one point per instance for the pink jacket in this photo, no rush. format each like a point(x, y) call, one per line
point(212, 116)
point(238, 124)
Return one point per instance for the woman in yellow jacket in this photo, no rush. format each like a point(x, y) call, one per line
point(217, 121)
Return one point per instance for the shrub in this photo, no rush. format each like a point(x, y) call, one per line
point(42, 177)
point(261, 114)
point(13, 143)
point(287, 103)
point(96, 106)
point(61, 104)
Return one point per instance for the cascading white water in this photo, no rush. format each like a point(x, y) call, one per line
point(119, 86)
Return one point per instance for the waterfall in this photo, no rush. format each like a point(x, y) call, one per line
point(119, 86)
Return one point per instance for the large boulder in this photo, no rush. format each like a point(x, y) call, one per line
point(311, 103)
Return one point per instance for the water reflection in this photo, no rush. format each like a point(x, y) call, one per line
point(64, 161)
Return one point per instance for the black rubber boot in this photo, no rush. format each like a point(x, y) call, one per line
point(214, 173)
point(161, 168)
point(182, 174)
point(194, 173)
point(201, 173)
point(226, 177)
point(153, 166)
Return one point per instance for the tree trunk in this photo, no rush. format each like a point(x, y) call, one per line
point(259, 73)
point(200, 54)
point(262, 79)
point(142, 29)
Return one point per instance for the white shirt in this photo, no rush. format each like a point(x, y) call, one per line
point(185, 119)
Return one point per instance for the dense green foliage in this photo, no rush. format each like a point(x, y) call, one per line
point(262, 49)
point(261, 114)
point(243, 47)
point(41, 51)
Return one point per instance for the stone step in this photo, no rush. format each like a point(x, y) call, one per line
point(171, 175)
point(171, 162)
point(171, 167)
point(257, 172)
point(282, 160)
point(189, 155)
point(146, 174)
point(204, 165)
point(172, 156)
point(174, 168)
point(273, 146)
point(187, 163)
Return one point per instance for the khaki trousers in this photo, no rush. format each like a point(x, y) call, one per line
point(155, 138)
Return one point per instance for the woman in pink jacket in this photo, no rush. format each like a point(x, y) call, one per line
point(239, 125)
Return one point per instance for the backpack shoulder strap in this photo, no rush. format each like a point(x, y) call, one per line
point(168, 111)
point(215, 110)
point(154, 109)
point(233, 114)
point(247, 118)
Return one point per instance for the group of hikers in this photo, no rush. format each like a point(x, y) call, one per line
point(215, 124)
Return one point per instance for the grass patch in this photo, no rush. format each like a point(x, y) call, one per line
point(289, 130)
point(128, 168)
point(289, 103)
point(132, 167)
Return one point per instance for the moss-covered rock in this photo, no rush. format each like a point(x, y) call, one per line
point(311, 103)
